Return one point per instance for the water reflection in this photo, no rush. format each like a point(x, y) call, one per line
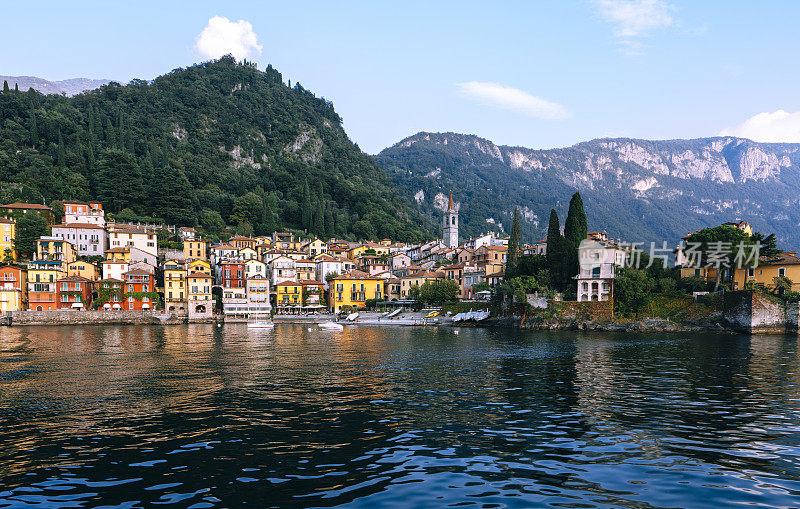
point(216, 416)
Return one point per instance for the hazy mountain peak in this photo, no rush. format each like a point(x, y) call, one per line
point(70, 87)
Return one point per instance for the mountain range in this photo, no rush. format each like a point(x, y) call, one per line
point(637, 190)
point(68, 87)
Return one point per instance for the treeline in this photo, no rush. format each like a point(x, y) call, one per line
point(221, 145)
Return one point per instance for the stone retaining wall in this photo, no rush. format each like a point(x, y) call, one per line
point(99, 317)
point(753, 312)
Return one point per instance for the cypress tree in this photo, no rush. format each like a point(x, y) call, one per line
point(306, 212)
point(576, 226)
point(5, 87)
point(61, 157)
point(553, 234)
point(34, 130)
point(513, 246)
point(16, 87)
point(110, 143)
point(329, 226)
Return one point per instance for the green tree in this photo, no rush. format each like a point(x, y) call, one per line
point(719, 248)
point(5, 87)
point(58, 210)
point(211, 221)
point(306, 212)
point(29, 228)
point(632, 288)
point(119, 181)
point(513, 246)
point(173, 194)
point(575, 232)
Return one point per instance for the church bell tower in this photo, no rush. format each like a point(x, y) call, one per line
point(450, 227)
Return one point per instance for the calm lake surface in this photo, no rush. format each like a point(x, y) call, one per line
point(200, 416)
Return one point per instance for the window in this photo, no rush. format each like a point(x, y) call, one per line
point(750, 272)
point(782, 272)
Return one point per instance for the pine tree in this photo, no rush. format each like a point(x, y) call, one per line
point(319, 213)
point(172, 195)
point(512, 256)
point(110, 135)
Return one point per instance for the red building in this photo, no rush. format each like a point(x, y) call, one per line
point(114, 288)
point(74, 292)
point(138, 281)
point(232, 275)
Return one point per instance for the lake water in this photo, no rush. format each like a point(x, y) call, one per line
point(201, 416)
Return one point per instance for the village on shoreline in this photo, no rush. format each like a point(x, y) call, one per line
point(85, 268)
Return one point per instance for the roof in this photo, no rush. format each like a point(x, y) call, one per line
point(241, 237)
point(77, 279)
point(356, 274)
point(111, 280)
point(311, 282)
point(201, 275)
point(129, 228)
point(79, 225)
point(7, 221)
point(450, 202)
point(119, 262)
point(326, 258)
point(118, 250)
point(784, 258)
point(137, 272)
point(288, 283)
point(18, 205)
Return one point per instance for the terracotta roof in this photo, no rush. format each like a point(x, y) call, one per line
point(77, 279)
point(121, 262)
point(392, 280)
point(311, 282)
point(79, 225)
point(111, 280)
point(326, 258)
point(356, 274)
point(200, 275)
point(36, 206)
point(137, 272)
point(288, 283)
point(784, 258)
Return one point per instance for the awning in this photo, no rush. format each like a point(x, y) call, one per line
point(77, 305)
point(145, 306)
point(117, 306)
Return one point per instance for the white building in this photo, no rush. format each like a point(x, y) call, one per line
point(255, 268)
point(487, 239)
point(83, 212)
point(89, 239)
point(599, 260)
point(326, 264)
point(133, 236)
point(281, 269)
point(114, 269)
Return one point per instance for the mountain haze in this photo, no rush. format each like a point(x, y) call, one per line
point(68, 87)
point(635, 189)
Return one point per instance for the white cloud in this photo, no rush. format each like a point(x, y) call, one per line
point(778, 127)
point(514, 99)
point(222, 36)
point(634, 19)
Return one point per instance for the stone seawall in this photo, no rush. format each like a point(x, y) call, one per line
point(99, 317)
point(753, 312)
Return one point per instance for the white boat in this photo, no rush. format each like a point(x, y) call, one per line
point(330, 326)
point(259, 321)
point(352, 316)
point(260, 325)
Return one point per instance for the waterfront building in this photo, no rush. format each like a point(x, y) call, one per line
point(199, 266)
point(352, 290)
point(391, 288)
point(138, 283)
point(312, 294)
point(42, 277)
point(599, 261)
point(257, 288)
point(109, 292)
point(465, 275)
point(13, 289)
point(175, 293)
point(89, 239)
point(8, 234)
point(288, 296)
point(201, 303)
point(782, 265)
point(74, 292)
point(84, 213)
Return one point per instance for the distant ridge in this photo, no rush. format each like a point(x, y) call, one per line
point(70, 87)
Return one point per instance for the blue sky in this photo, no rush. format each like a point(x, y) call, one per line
point(536, 74)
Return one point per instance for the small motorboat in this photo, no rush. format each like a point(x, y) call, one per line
point(433, 314)
point(330, 326)
point(352, 317)
point(260, 325)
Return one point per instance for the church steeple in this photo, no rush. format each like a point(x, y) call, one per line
point(450, 224)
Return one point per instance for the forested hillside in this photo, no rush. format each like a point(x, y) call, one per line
point(219, 143)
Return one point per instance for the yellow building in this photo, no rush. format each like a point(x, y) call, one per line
point(198, 288)
point(353, 289)
point(195, 250)
point(314, 248)
point(55, 249)
point(86, 270)
point(13, 289)
point(199, 267)
point(288, 294)
point(370, 247)
point(121, 254)
point(785, 264)
point(8, 233)
point(175, 294)
point(418, 279)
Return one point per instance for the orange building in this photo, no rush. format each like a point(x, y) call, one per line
point(138, 281)
point(74, 292)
